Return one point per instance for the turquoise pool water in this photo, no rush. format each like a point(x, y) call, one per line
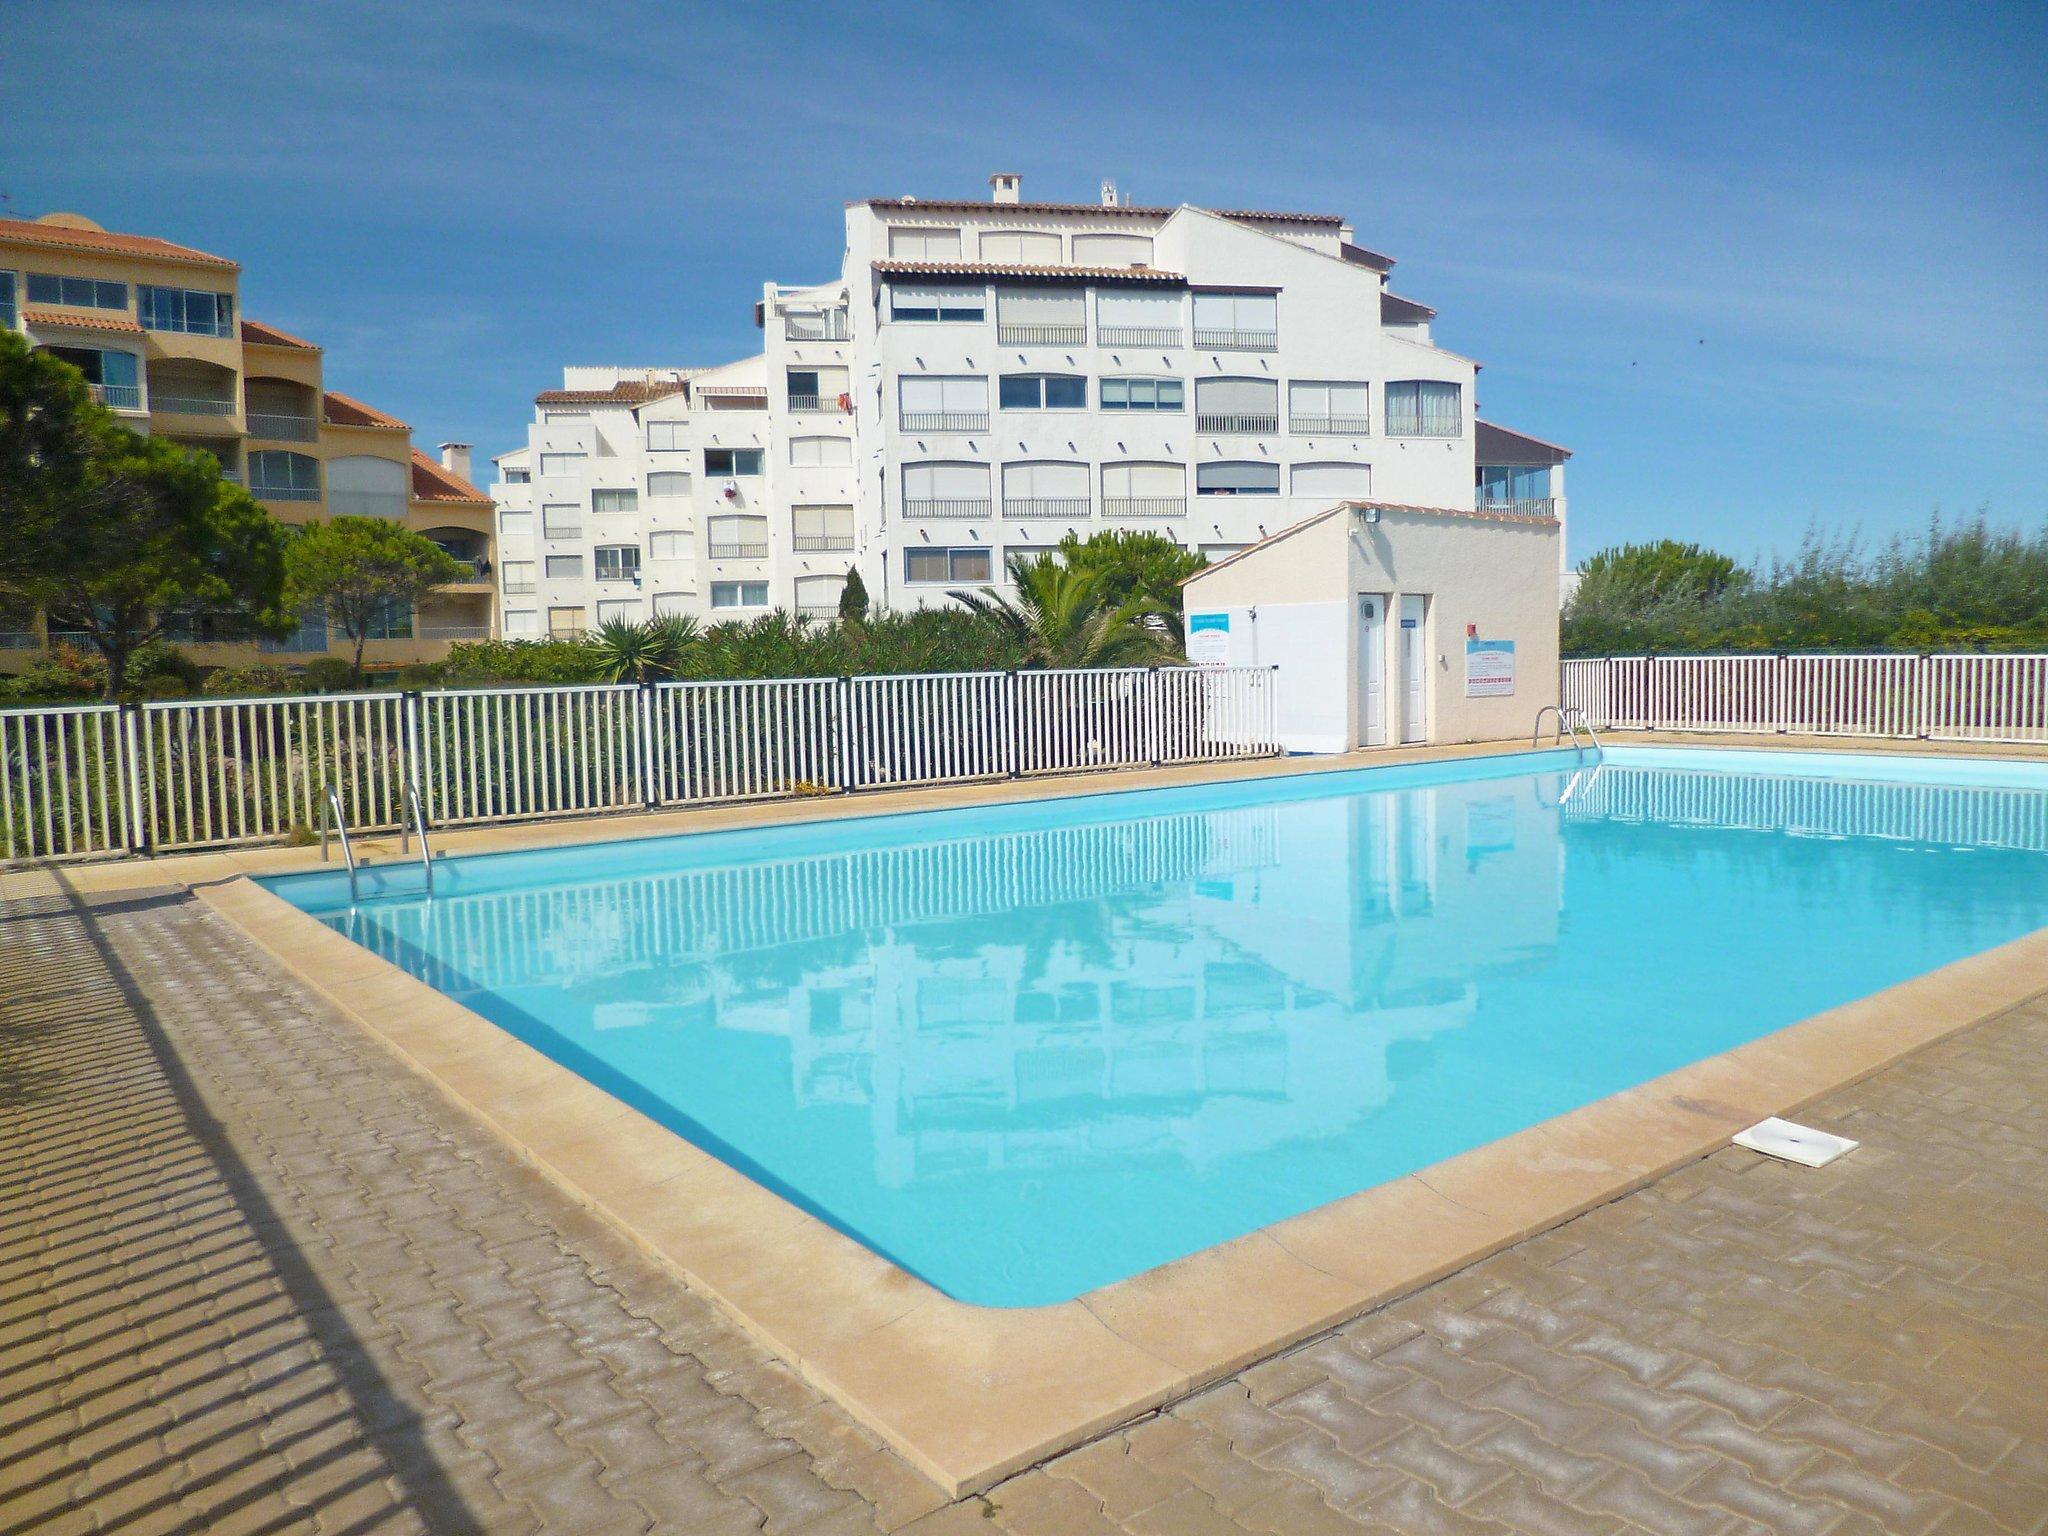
point(1027, 1050)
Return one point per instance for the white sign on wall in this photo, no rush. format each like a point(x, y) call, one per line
point(1209, 639)
point(1489, 668)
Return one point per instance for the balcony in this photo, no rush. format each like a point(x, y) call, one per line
point(1139, 336)
point(1012, 335)
point(1237, 341)
point(455, 631)
point(1046, 506)
point(815, 404)
point(1523, 506)
point(828, 325)
point(561, 531)
point(190, 405)
point(118, 397)
point(1327, 426)
point(1435, 426)
point(285, 492)
point(519, 589)
point(745, 551)
point(1144, 506)
point(1236, 425)
point(815, 543)
point(945, 421)
point(947, 508)
point(277, 428)
point(820, 611)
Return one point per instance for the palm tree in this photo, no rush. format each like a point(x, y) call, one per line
point(1064, 617)
point(641, 653)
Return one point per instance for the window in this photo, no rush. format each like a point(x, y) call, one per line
point(278, 475)
point(1237, 322)
point(1328, 408)
point(739, 594)
point(807, 452)
point(1042, 317)
point(1144, 490)
point(520, 622)
point(113, 377)
point(668, 546)
point(667, 436)
point(1514, 485)
point(924, 244)
point(76, 292)
point(565, 567)
point(1026, 247)
point(565, 623)
point(561, 520)
point(945, 490)
point(184, 309)
point(618, 610)
point(310, 638)
point(363, 485)
point(931, 404)
point(1329, 484)
point(821, 528)
point(732, 463)
point(1112, 250)
point(618, 562)
point(518, 477)
point(671, 602)
point(738, 538)
point(1043, 392)
point(667, 484)
point(1045, 488)
point(518, 575)
point(1143, 394)
point(1235, 477)
point(391, 621)
point(815, 325)
point(7, 309)
point(817, 597)
point(615, 500)
point(559, 465)
point(1423, 408)
point(937, 301)
point(515, 527)
point(1137, 319)
point(1237, 405)
point(816, 389)
point(970, 563)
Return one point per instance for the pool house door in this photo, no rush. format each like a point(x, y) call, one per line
point(1372, 669)
point(1414, 669)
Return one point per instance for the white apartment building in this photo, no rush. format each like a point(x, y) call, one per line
point(983, 378)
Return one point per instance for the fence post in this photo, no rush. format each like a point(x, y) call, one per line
point(415, 758)
point(1784, 691)
point(1013, 697)
point(848, 767)
point(1273, 713)
point(1154, 716)
point(139, 839)
point(650, 756)
point(1924, 714)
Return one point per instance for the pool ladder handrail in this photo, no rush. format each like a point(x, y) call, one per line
point(1570, 720)
point(415, 819)
point(334, 822)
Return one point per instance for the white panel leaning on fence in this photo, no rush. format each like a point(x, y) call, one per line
point(1934, 698)
point(100, 780)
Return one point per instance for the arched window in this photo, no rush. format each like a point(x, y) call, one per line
point(276, 474)
point(360, 485)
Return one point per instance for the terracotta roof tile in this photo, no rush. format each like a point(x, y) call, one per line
point(59, 237)
point(626, 392)
point(1027, 273)
point(1127, 210)
point(345, 411)
point(82, 320)
point(433, 482)
point(256, 334)
point(1394, 309)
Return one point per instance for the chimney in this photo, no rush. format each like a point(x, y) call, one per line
point(1005, 187)
point(455, 458)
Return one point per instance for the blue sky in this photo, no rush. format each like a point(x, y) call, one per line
point(1760, 265)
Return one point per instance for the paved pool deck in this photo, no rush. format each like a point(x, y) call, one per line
point(255, 1274)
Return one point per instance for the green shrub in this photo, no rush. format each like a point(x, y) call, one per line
point(236, 682)
point(474, 662)
point(326, 674)
point(423, 674)
point(63, 675)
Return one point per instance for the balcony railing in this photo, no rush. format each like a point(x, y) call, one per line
point(1011, 334)
point(1233, 423)
point(285, 492)
point(747, 551)
point(18, 640)
point(561, 530)
point(812, 543)
point(519, 588)
point(1045, 506)
point(1144, 506)
point(1237, 341)
point(279, 428)
point(945, 421)
point(454, 631)
point(827, 326)
point(1521, 506)
point(1435, 426)
point(118, 397)
point(1324, 426)
point(941, 507)
point(190, 405)
point(815, 403)
point(472, 570)
point(1139, 336)
point(817, 610)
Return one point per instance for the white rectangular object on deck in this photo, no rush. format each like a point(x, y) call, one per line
point(1794, 1143)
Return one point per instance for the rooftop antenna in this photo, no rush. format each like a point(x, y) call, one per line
point(1110, 198)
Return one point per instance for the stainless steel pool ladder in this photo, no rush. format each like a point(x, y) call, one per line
point(416, 821)
point(1571, 720)
point(333, 822)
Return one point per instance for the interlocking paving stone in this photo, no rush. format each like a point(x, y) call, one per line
point(256, 1276)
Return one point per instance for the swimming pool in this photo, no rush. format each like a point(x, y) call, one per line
point(1027, 1050)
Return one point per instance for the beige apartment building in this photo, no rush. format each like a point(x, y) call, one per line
point(158, 331)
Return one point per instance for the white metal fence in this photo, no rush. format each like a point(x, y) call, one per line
point(1939, 698)
point(95, 780)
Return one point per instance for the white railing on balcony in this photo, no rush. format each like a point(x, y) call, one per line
point(1401, 424)
point(946, 507)
point(1939, 698)
point(1144, 506)
point(821, 325)
point(804, 404)
point(190, 405)
point(96, 780)
point(945, 421)
point(1011, 334)
point(1235, 423)
point(1139, 336)
point(117, 397)
point(1045, 506)
point(278, 428)
point(1326, 426)
point(1519, 506)
point(751, 549)
point(1237, 341)
point(814, 543)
